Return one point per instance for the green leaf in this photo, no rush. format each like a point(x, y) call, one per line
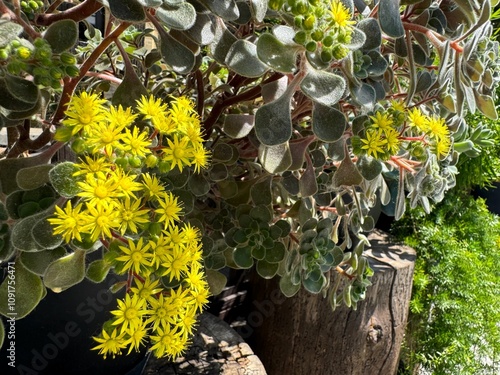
point(275, 159)
point(259, 9)
point(129, 90)
point(226, 9)
point(29, 291)
point(389, 18)
point(7, 251)
point(277, 253)
point(364, 95)
point(10, 101)
point(369, 167)
point(328, 124)
point(486, 105)
point(203, 30)
point(323, 87)
point(98, 270)
point(180, 17)
point(198, 185)
point(287, 287)
point(39, 261)
point(22, 89)
point(347, 174)
point(261, 213)
point(314, 286)
point(227, 188)
point(2, 333)
point(371, 28)
point(65, 272)
point(63, 181)
point(277, 55)
point(127, 10)
point(308, 185)
point(242, 257)
point(242, 58)
point(238, 125)
point(261, 191)
point(223, 40)
point(8, 32)
point(42, 233)
point(33, 177)
point(216, 281)
point(175, 54)
point(61, 35)
point(266, 270)
point(21, 234)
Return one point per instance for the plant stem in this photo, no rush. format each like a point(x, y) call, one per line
point(435, 38)
point(77, 13)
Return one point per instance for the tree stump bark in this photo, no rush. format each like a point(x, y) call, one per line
point(302, 336)
point(216, 349)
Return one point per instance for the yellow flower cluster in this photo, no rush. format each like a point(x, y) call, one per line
point(398, 128)
point(122, 203)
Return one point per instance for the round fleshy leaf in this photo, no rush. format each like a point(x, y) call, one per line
point(10, 101)
point(29, 292)
point(364, 95)
point(21, 234)
point(198, 185)
point(378, 64)
point(42, 233)
point(175, 54)
point(259, 9)
point(223, 40)
point(2, 333)
point(277, 55)
point(266, 270)
point(287, 287)
point(227, 188)
point(22, 89)
point(227, 9)
point(274, 89)
point(61, 35)
point(486, 105)
point(98, 270)
point(242, 58)
point(308, 185)
point(216, 281)
point(33, 177)
point(369, 167)
point(244, 11)
point(275, 159)
point(347, 174)
point(39, 261)
point(242, 257)
point(180, 17)
point(273, 122)
point(203, 30)
point(65, 272)
point(323, 87)
point(372, 31)
point(314, 286)
point(238, 125)
point(62, 179)
point(261, 213)
point(8, 31)
point(276, 254)
point(129, 90)
point(328, 124)
point(261, 192)
point(127, 10)
point(358, 39)
point(389, 18)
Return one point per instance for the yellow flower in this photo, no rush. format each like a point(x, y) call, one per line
point(126, 184)
point(201, 158)
point(373, 143)
point(187, 323)
point(382, 121)
point(160, 312)
point(442, 147)
point(418, 120)
point(178, 153)
point(195, 278)
point(136, 257)
point(437, 128)
point(107, 137)
point(340, 15)
point(136, 338)
point(135, 143)
point(150, 108)
point(176, 264)
point(200, 298)
point(84, 110)
point(129, 313)
point(169, 342)
point(169, 208)
point(161, 247)
point(393, 142)
point(147, 289)
point(110, 344)
point(98, 189)
point(163, 123)
point(152, 187)
point(101, 219)
point(91, 165)
point(68, 222)
point(130, 215)
point(120, 117)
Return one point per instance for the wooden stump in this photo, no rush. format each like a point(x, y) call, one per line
point(217, 349)
point(302, 336)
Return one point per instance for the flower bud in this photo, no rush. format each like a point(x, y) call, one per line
point(67, 58)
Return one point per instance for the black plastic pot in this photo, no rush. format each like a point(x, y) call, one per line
point(492, 196)
point(56, 338)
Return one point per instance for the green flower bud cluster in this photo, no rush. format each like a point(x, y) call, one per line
point(322, 27)
point(39, 61)
point(31, 8)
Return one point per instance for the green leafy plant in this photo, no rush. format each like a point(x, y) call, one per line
point(454, 313)
point(314, 113)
